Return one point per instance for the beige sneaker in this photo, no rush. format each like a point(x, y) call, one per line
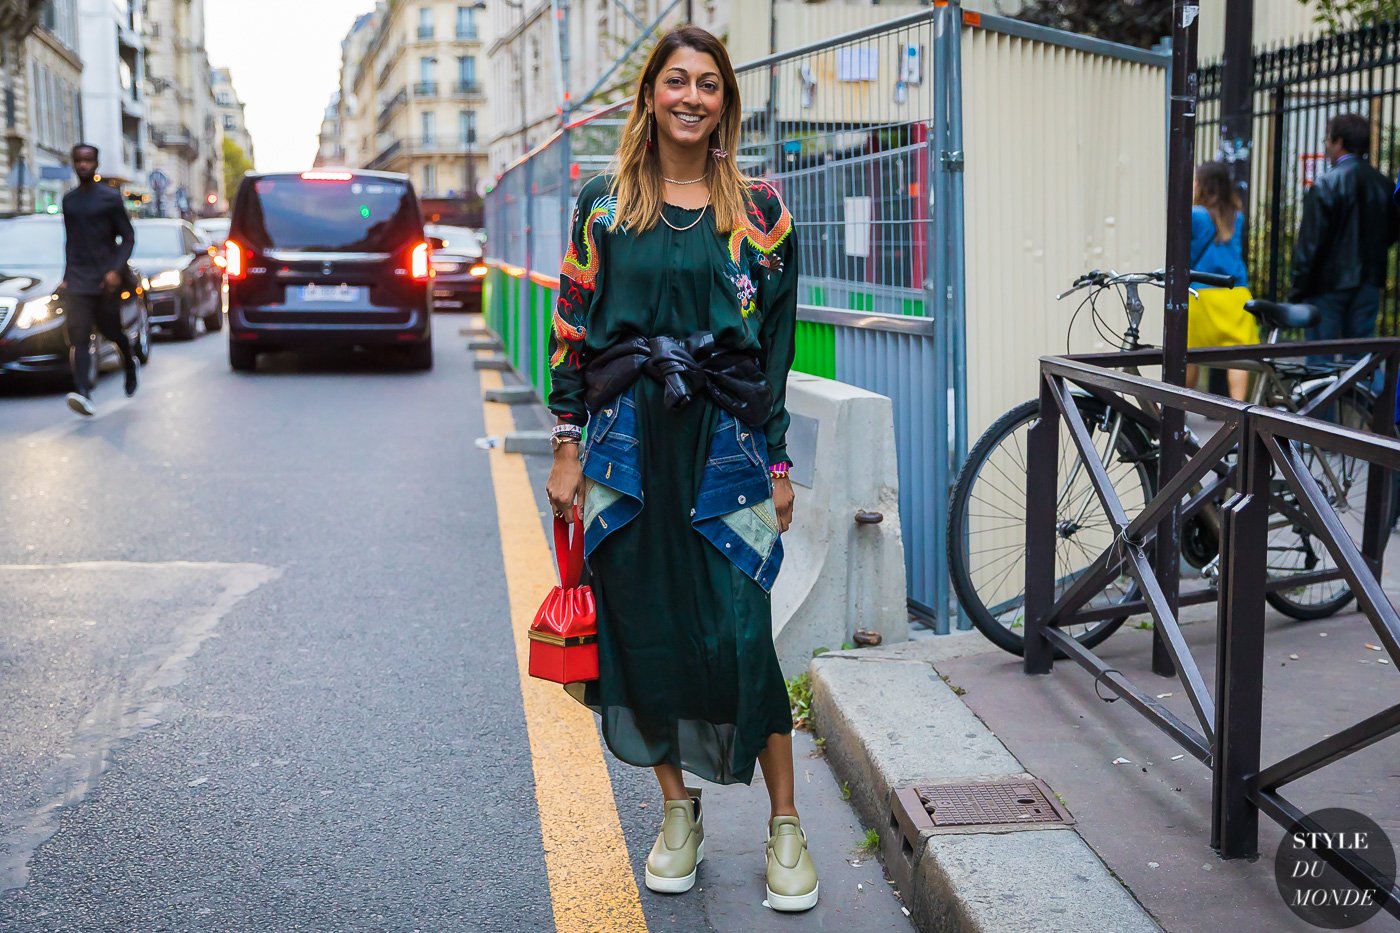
point(792, 878)
point(679, 848)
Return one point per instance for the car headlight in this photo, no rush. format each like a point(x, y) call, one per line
point(167, 279)
point(37, 312)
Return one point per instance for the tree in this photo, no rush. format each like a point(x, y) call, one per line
point(1337, 15)
point(236, 165)
point(1142, 23)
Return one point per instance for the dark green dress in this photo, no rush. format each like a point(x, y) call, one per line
point(688, 673)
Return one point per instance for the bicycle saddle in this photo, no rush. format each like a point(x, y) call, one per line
point(1281, 315)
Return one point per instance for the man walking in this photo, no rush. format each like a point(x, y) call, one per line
point(1348, 226)
point(94, 219)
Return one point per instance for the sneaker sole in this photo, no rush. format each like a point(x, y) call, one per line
point(792, 903)
point(76, 404)
point(676, 885)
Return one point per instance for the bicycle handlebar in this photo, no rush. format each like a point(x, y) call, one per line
point(1100, 279)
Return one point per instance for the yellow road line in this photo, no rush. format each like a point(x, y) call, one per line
point(591, 884)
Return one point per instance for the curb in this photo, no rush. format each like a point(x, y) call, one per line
point(889, 721)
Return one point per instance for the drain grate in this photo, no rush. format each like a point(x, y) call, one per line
point(998, 806)
point(989, 804)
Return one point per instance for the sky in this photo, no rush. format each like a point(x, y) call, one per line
point(285, 60)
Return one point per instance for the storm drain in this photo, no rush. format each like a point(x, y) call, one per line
point(989, 804)
point(940, 808)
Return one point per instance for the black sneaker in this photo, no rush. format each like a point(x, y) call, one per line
point(81, 404)
point(131, 380)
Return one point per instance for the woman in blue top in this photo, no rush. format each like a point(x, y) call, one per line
point(1217, 316)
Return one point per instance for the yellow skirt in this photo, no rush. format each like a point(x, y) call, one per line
point(1218, 318)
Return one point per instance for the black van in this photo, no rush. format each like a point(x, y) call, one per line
point(328, 259)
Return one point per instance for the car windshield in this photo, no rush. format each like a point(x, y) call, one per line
point(369, 215)
point(26, 244)
point(154, 241)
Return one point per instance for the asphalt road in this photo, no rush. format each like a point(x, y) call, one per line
point(258, 673)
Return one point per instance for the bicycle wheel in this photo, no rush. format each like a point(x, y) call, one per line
point(987, 521)
point(1293, 548)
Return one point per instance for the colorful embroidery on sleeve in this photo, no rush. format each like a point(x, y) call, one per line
point(576, 278)
point(764, 243)
point(586, 273)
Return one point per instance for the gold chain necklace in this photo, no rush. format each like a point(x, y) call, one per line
point(693, 181)
point(689, 225)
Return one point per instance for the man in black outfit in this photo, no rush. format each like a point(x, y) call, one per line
point(1348, 226)
point(94, 217)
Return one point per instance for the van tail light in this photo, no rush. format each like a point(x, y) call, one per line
point(235, 261)
point(478, 270)
point(418, 264)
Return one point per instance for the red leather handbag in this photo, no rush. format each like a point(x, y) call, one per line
point(564, 635)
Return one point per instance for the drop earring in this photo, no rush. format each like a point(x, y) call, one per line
point(651, 127)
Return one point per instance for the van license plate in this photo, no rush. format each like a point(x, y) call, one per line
point(346, 293)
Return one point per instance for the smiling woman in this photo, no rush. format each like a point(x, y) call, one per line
point(680, 277)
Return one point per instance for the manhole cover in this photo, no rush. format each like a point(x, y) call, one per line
point(989, 803)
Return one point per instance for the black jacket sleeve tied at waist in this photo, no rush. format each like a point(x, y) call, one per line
point(732, 378)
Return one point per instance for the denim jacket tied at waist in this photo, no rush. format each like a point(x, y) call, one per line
point(733, 509)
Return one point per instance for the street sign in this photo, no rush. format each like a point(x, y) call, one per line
point(159, 180)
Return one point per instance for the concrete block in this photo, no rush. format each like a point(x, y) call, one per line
point(512, 395)
point(1022, 882)
point(890, 722)
point(839, 576)
point(528, 442)
point(484, 343)
point(492, 362)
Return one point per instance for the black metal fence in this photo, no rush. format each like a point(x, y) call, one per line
point(1253, 465)
point(1297, 89)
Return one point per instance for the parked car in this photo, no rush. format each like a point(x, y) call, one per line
point(184, 286)
point(458, 269)
point(215, 232)
point(32, 336)
point(328, 259)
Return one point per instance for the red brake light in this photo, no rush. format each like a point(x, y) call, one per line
point(325, 176)
point(418, 264)
point(234, 260)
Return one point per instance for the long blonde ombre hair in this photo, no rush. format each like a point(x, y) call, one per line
point(638, 184)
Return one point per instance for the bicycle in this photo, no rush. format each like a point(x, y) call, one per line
point(986, 523)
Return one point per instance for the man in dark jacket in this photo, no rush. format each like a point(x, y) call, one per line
point(99, 245)
point(1349, 223)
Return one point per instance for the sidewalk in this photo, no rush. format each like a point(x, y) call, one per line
point(1148, 820)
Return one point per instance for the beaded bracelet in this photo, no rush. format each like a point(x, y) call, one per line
point(780, 470)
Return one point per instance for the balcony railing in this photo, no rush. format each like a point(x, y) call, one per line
point(389, 62)
point(468, 33)
point(467, 88)
point(425, 32)
point(444, 145)
point(394, 103)
point(174, 136)
point(386, 154)
point(425, 89)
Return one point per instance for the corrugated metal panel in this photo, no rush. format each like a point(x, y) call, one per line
point(901, 366)
point(1065, 173)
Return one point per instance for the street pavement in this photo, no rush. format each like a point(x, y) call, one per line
point(259, 668)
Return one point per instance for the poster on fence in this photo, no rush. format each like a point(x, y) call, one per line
point(1312, 165)
point(857, 227)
